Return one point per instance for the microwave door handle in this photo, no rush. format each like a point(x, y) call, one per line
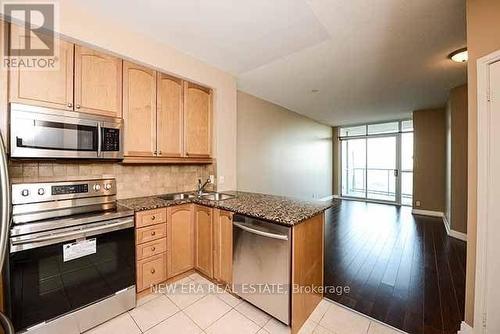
point(99, 140)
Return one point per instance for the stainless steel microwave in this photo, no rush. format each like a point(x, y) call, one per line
point(37, 132)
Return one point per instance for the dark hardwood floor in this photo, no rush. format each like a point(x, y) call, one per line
point(401, 269)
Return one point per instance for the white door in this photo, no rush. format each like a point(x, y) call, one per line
point(487, 303)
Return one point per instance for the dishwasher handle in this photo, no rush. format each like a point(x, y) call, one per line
point(261, 233)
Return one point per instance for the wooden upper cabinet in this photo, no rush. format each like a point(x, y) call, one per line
point(169, 116)
point(204, 240)
point(223, 246)
point(139, 110)
point(98, 82)
point(52, 88)
point(180, 239)
point(197, 120)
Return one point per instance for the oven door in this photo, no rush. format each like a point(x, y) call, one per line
point(46, 280)
point(43, 135)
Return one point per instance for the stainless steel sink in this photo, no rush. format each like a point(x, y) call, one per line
point(217, 196)
point(178, 196)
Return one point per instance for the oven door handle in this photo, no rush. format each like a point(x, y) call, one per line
point(18, 244)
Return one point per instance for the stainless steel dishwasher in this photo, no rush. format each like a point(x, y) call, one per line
point(262, 265)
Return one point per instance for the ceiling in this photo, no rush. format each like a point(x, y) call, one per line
point(336, 61)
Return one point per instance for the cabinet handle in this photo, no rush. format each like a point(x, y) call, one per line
point(153, 217)
point(159, 153)
point(70, 105)
point(153, 233)
point(153, 249)
point(153, 271)
point(156, 153)
point(77, 106)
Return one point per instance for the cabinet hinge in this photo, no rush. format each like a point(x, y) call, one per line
point(484, 320)
point(488, 95)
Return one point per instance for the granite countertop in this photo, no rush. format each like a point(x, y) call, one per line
point(278, 209)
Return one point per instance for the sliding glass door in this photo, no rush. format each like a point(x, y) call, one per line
point(381, 167)
point(377, 162)
point(354, 168)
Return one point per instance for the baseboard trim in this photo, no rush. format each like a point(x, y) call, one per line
point(452, 233)
point(327, 198)
point(465, 328)
point(427, 213)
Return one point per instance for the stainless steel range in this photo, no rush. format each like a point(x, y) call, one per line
point(72, 256)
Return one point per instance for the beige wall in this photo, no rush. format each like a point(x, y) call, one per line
point(429, 159)
point(337, 163)
point(93, 29)
point(456, 159)
point(281, 152)
point(131, 180)
point(483, 38)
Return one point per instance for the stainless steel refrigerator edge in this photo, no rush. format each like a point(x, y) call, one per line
point(4, 222)
point(262, 261)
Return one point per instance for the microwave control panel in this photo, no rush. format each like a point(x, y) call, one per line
point(110, 140)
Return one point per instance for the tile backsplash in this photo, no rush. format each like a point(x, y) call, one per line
point(131, 180)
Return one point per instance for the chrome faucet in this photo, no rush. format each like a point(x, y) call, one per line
point(201, 187)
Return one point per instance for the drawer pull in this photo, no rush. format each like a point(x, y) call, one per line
point(153, 217)
point(153, 233)
point(153, 249)
point(153, 270)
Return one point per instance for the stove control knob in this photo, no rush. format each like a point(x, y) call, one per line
point(25, 192)
point(107, 186)
point(41, 191)
point(97, 187)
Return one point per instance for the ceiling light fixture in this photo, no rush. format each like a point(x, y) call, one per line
point(459, 56)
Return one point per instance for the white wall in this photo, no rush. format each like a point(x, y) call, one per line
point(281, 152)
point(103, 32)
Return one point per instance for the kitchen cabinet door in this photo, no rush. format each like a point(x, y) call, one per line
point(180, 239)
point(150, 271)
point(52, 88)
point(197, 120)
point(169, 116)
point(139, 110)
point(98, 83)
point(223, 246)
point(204, 241)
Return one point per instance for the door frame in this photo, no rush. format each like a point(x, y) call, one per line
point(398, 136)
point(483, 215)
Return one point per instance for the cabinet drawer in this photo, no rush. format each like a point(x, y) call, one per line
point(151, 248)
point(150, 233)
point(151, 271)
point(150, 217)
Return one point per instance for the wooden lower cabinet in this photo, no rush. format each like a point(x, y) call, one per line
point(223, 246)
point(150, 271)
point(180, 239)
point(174, 240)
point(204, 241)
point(151, 245)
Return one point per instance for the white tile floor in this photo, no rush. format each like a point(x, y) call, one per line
point(199, 309)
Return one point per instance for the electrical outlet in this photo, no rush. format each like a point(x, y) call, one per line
point(212, 179)
point(417, 203)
